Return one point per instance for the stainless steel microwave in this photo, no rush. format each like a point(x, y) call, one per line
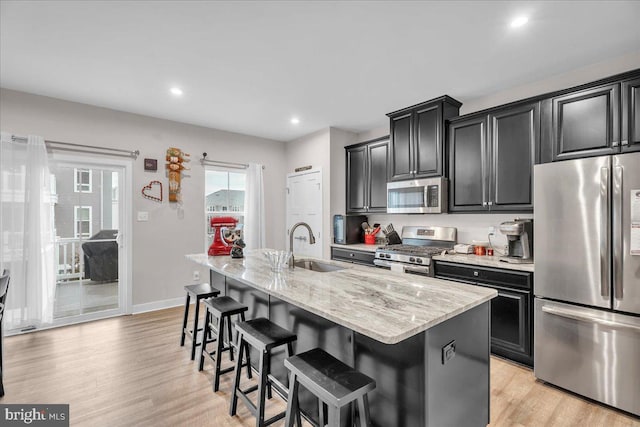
point(427, 195)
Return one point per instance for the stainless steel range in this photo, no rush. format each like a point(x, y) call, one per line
point(419, 244)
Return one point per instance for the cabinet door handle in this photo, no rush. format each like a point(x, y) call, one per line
point(352, 254)
point(484, 203)
point(475, 274)
point(615, 144)
point(624, 142)
point(490, 203)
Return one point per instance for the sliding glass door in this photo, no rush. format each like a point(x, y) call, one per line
point(90, 218)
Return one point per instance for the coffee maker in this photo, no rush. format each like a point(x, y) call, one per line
point(519, 234)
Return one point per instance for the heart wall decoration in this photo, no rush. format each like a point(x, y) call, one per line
point(151, 190)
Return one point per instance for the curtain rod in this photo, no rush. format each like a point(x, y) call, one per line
point(204, 161)
point(81, 148)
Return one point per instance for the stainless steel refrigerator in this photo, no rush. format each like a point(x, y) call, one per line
point(587, 278)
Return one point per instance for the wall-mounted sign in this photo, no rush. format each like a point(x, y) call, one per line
point(151, 165)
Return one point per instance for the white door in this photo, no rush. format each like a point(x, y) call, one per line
point(304, 204)
point(91, 221)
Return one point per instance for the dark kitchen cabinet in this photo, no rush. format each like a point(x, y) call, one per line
point(630, 115)
point(586, 122)
point(467, 148)
point(417, 139)
point(514, 141)
point(491, 159)
point(511, 310)
point(367, 176)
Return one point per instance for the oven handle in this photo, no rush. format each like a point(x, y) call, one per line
point(415, 269)
point(382, 263)
point(405, 268)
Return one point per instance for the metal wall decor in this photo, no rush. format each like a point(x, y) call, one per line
point(150, 191)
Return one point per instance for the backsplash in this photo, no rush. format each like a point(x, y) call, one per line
point(470, 226)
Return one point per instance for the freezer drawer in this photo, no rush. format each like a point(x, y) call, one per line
point(588, 351)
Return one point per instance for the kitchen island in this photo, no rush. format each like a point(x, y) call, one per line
point(425, 341)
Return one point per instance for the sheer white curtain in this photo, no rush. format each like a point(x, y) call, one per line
point(26, 232)
point(254, 222)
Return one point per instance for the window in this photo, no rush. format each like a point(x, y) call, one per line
point(82, 221)
point(224, 196)
point(82, 180)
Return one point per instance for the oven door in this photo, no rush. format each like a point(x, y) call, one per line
point(417, 196)
point(420, 270)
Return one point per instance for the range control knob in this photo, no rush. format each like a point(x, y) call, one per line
point(419, 260)
point(388, 256)
point(412, 259)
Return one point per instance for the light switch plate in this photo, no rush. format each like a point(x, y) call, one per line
point(143, 216)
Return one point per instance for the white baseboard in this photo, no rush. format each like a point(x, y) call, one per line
point(157, 305)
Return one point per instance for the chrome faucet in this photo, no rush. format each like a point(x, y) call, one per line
point(312, 240)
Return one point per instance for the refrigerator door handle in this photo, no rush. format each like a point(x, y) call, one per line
point(605, 230)
point(617, 231)
point(570, 314)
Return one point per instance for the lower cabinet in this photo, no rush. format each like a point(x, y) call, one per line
point(511, 310)
point(354, 256)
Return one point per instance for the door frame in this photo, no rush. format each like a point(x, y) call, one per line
point(125, 240)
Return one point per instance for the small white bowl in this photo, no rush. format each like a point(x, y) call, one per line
point(277, 259)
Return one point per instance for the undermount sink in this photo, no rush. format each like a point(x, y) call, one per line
point(318, 266)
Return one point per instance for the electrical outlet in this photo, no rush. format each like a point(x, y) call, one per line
point(196, 275)
point(448, 351)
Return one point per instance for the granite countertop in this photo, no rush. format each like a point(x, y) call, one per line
point(358, 247)
point(382, 305)
point(485, 261)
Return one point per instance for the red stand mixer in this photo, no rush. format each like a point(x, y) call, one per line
point(220, 225)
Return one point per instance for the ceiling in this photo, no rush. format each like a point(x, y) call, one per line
point(249, 67)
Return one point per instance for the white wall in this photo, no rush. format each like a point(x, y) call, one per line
point(324, 149)
point(314, 150)
point(577, 77)
point(373, 133)
point(159, 245)
point(339, 139)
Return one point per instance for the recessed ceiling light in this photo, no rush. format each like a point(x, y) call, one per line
point(295, 120)
point(519, 21)
point(176, 91)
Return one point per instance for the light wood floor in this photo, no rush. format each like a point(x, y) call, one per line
point(131, 371)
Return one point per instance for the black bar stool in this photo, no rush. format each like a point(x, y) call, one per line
point(263, 335)
point(198, 292)
point(333, 382)
point(221, 308)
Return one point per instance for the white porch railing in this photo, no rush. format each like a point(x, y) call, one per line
point(70, 262)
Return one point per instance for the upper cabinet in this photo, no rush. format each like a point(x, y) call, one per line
point(416, 148)
point(586, 123)
point(491, 158)
point(367, 176)
point(593, 120)
point(630, 115)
